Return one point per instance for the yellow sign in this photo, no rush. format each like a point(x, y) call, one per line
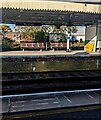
point(89, 47)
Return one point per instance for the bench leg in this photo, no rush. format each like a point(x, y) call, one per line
point(40, 50)
point(53, 49)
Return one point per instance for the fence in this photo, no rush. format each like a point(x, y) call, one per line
point(59, 45)
point(32, 45)
point(52, 45)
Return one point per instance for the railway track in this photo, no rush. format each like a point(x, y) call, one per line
point(10, 76)
point(34, 95)
point(15, 83)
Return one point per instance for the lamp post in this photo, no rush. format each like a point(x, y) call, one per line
point(68, 33)
point(67, 43)
point(68, 38)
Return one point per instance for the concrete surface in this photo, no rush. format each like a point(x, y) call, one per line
point(44, 53)
point(50, 101)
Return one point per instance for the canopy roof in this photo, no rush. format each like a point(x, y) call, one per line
point(50, 5)
point(49, 12)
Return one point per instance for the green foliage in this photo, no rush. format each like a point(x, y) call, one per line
point(69, 29)
point(48, 28)
point(7, 44)
point(4, 28)
point(73, 29)
point(39, 36)
point(63, 29)
point(63, 38)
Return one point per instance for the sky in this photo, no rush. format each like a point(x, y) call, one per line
point(10, 25)
point(81, 30)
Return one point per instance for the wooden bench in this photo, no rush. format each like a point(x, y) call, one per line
point(59, 45)
point(25, 45)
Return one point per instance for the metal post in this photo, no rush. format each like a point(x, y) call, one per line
point(46, 46)
point(99, 36)
point(97, 63)
point(68, 43)
point(67, 37)
point(9, 104)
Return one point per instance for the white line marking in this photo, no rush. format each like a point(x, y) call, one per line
point(90, 96)
point(33, 101)
point(19, 102)
point(57, 97)
point(42, 103)
point(42, 100)
point(67, 98)
point(18, 106)
point(56, 102)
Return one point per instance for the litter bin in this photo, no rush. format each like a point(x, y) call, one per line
point(89, 47)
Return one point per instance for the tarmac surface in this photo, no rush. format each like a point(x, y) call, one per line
point(50, 101)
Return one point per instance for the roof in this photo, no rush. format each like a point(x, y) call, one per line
point(50, 5)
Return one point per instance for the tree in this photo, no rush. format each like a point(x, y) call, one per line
point(5, 28)
point(29, 32)
point(63, 29)
point(48, 28)
point(40, 35)
point(73, 29)
point(7, 44)
point(69, 29)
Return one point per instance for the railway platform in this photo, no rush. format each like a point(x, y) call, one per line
point(50, 103)
point(50, 52)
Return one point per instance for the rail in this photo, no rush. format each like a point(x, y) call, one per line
point(49, 93)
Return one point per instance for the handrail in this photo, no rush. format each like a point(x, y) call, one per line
point(49, 93)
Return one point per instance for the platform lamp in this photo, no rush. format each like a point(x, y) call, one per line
point(68, 33)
